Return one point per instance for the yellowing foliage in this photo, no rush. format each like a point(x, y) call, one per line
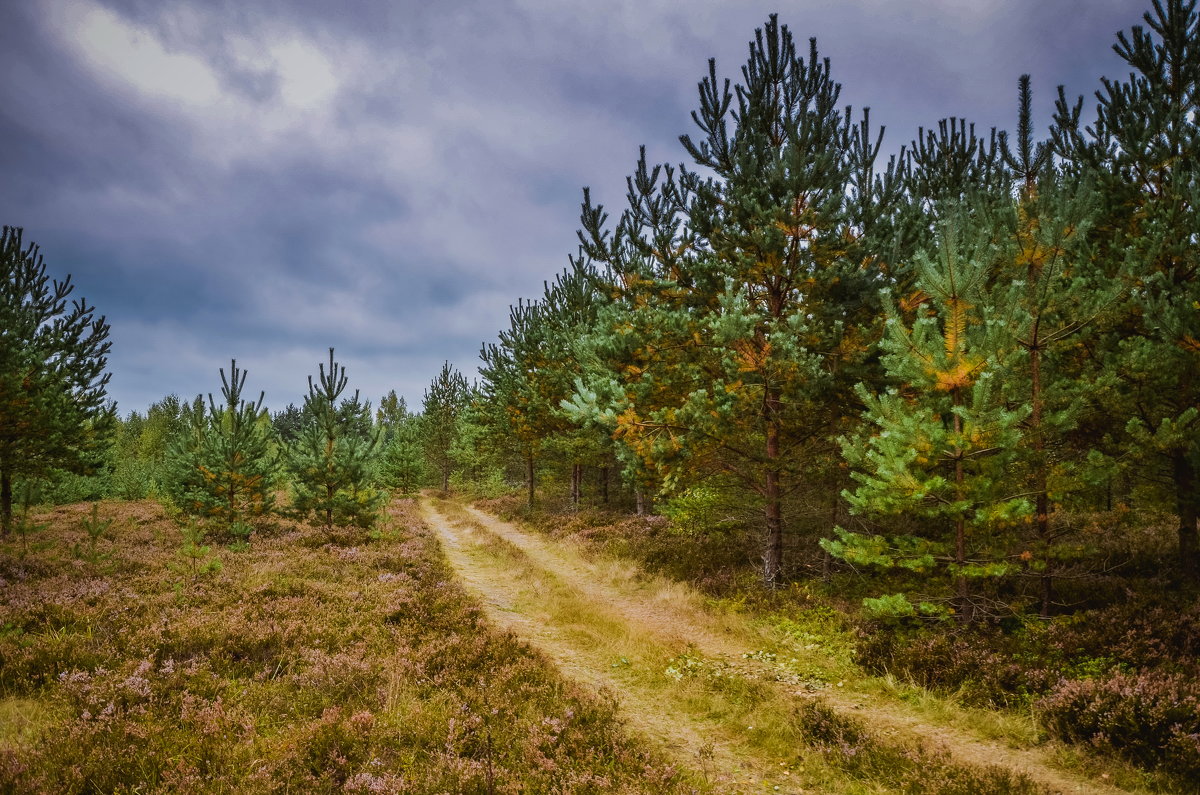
point(959, 376)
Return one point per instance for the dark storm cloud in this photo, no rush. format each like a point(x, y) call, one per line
point(265, 179)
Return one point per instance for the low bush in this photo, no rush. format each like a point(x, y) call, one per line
point(1152, 719)
point(984, 666)
point(994, 665)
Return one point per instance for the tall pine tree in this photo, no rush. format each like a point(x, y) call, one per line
point(53, 413)
point(743, 301)
point(1143, 152)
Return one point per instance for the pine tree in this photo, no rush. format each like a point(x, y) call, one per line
point(288, 423)
point(475, 458)
point(941, 447)
point(532, 369)
point(509, 375)
point(226, 467)
point(744, 302)
point(1143, 152)
point(332, 461)
point(402, 463)
point(444, 401)
point(181, 478)
point(141, 448)
point(402, 458)
point(1050, 297)
point(53, 414)
point(391, 414)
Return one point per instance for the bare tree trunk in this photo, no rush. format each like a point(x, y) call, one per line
point(963, 596)
point(575, 485)
point(5, 503)
point(329, 507)
point(773, 554)
point(1188, 507)
point(639, 499)
point(1042, 504)
point(826, 558)
point(604, 485)
point(529, 476)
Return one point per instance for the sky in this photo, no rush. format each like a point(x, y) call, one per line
point(261, 180)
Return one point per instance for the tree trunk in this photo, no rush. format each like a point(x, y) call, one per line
point(5, 503)
point(445, 478)
point(963, 595)
point(1042, 504)
point(529, 476)
point(639, 500)
point(773, 554)
point(604, 485)
point(826, 558)
point(576, 485)
point(1188, 507)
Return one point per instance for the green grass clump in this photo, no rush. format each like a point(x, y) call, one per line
point(847, 745)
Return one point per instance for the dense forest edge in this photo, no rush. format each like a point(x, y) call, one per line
point(948, 400)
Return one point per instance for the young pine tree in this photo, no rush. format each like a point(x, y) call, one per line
point(224, 468)
point(402, 460)
point(445, 399)
point(941, 447)
point(332, 460)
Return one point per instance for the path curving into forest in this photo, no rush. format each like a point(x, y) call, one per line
point(607, 624)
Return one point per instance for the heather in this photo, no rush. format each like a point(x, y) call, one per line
point(313, 661)
point(927, 415)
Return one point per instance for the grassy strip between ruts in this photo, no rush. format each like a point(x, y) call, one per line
point(626, 632)
point(305, 664)
point(808, 615)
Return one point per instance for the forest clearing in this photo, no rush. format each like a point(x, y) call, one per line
point(354, 663)
point(820, 467)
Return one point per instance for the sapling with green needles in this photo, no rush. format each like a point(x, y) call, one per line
point(95, 527)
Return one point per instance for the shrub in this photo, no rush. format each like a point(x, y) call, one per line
point(991, 666)
point(701, 509)
point(981, 665)
point(1152, 719)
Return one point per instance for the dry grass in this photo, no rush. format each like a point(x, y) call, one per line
point(307, 663)
point(807, 625)
point(716, 690)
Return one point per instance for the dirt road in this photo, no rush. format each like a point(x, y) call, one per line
point(688, 679)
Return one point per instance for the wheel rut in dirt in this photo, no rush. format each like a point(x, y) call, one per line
point(605, 623)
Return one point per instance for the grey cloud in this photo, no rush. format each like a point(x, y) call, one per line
point(397, 208)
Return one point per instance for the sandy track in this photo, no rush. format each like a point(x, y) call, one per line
point(539, 589)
